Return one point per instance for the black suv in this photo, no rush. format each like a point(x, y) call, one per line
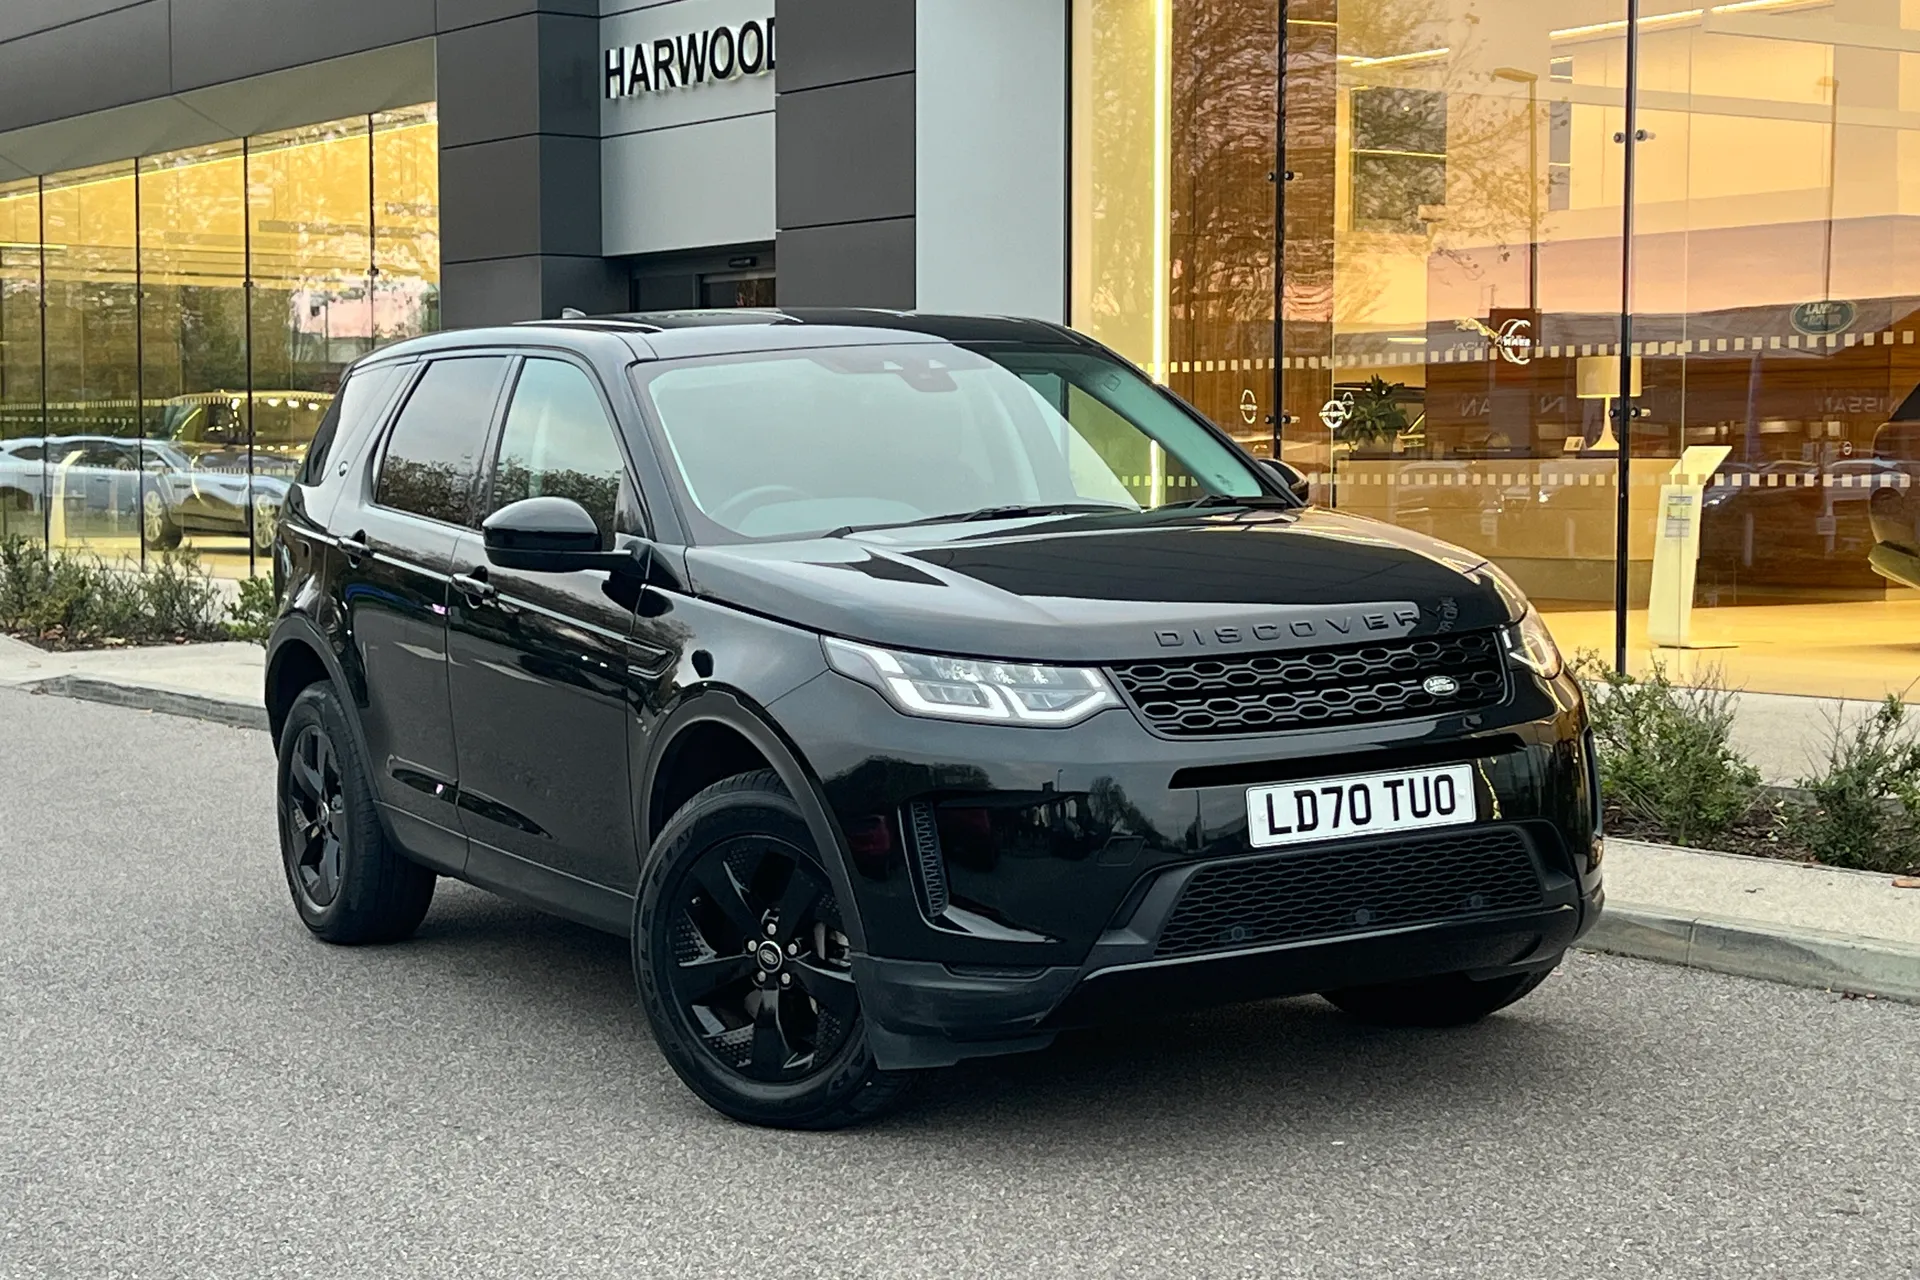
point(907, 688)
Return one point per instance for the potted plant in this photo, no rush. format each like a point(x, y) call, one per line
point(1375, 417)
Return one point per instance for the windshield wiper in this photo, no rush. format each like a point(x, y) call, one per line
point(1014, 512)
point(1229, 500)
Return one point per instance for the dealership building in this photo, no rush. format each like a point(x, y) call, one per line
point(1444, 256)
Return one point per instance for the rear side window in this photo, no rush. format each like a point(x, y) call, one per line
point(434, 452)
point(364, 395)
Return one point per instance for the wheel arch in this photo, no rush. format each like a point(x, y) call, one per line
point(719, 720)
point(298, 656)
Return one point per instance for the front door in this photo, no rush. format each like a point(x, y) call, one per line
point(540, 661)
point(395, 561)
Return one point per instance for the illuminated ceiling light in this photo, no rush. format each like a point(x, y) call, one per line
point(1749, 6)
point(1685, 17)
point(1400, 59)
point(1608, 28)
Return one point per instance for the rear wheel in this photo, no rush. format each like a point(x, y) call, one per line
point(156, 522)
point(743, 964)
point(349, 884)
point(1450, 1000)
point(265, 523)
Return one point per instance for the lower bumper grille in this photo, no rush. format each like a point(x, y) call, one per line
point(1352, 888)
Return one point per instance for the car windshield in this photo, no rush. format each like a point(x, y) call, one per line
point(799, 443)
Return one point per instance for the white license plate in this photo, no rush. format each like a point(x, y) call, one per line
point(1363, 804)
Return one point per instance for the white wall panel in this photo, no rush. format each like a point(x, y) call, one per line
point(991, 180)
point(688, 187)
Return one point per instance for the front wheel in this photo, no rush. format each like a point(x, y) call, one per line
point(743, 964)
point(1450, 1000)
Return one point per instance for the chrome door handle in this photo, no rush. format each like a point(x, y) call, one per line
point(355, 547)
point(475, 589)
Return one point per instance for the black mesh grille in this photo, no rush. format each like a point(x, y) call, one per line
point(1355, 684)
point(925, 833)
point(1351, 888)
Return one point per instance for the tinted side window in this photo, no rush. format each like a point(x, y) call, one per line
point(363, 395)
point(434, 452)
point(108, 455)
point(559, 443)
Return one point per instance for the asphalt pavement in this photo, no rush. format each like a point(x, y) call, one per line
point(190, 1086)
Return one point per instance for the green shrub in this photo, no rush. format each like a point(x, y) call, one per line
point(178, 600)
point(1665, 752)
point(251, 616)
point(1865, 804)
point(74, 600)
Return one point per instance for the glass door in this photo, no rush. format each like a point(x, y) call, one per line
point(1777, 317)
point(1451, 236)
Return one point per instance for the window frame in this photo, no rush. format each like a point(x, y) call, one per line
point(497, 435)
point(398, 410)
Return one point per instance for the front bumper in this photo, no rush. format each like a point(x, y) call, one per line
point(924, 1014)
point(1060, 856)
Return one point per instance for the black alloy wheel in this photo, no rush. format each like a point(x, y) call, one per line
point(744, 962)
point(761, 969)
point(350, 883)
point(314, 811)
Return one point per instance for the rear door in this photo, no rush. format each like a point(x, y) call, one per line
point(396, 553)
point(542, 669)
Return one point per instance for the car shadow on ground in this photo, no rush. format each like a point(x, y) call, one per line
point(1295, 1064)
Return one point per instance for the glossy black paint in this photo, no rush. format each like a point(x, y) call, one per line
point(533, 731)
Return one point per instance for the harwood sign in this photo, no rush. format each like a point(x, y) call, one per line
point(680, 62)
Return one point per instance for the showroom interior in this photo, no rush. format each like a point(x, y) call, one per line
point(1394, 242)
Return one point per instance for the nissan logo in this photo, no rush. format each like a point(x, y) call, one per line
point(1440, 686)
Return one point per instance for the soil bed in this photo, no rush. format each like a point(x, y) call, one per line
point(1759, 835)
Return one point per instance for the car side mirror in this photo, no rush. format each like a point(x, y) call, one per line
point(1292, 481)
point(551, 535)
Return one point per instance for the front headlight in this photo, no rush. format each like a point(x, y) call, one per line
point(1531, 645)
point(925, 684)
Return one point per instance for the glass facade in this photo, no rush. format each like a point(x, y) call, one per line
point(1468, 281)
point(173, 327)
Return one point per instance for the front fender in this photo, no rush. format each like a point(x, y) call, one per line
point(733, 709)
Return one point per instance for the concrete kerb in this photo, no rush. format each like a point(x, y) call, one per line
point(1798, 957)
point(173, 702)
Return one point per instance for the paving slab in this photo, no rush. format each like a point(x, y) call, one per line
point(219, 682)
point(1786, 736)
point(1792, 895)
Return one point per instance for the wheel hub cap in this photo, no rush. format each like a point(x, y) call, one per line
point(315, 806)
point(756, 961)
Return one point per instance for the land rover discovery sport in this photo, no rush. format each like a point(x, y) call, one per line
point(907, 688)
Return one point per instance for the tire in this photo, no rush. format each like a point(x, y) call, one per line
point(1450, 1000)
point(735, 907)
point(265, 524)
point(156, 522)
point(350, 885)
